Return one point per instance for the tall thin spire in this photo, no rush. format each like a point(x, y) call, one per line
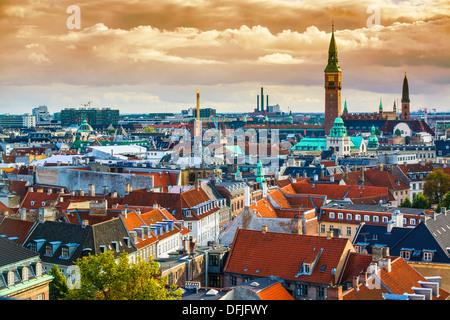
point(405, 91)
point(333, 62)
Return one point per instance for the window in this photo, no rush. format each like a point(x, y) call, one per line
point(357, 217)
point(232, 280)
point(214, 260)
point(25, 274)
point(427, 256)
point(307, 268)
point(366, 218)
point(322, 228)
point(302, 290)
point(349, 231)
point(349, 216)
point(65, 252)
point(405, 254)
point(412, 222)
point(48, 250)
point(11, 278)
point(340, 216)
point(385, 219)
point(32, 203)
point(376, 219)
point(332, 215)
point(38, 269)
point(320, 293)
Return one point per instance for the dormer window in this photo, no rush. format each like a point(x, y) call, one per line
point(340, 216)
point(38, 269)
point(44, 203)
point(48, 250)
point(24, 273)
point(332, 215)
point(405, 254)
point(32, 203)
point(428, 255)
point(11, 278)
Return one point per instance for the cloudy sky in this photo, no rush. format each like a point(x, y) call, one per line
point(144, 56)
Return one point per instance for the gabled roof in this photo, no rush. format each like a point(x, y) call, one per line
point(267, 289)
point(400, 280)
point(433, 234)
point(40, 199)
point(258, 254)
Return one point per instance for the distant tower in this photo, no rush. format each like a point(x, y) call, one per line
point(198, 104)
point(380, 108)
point(197, 123)
point(332, 86)
point(405, 99)
point(345, 113)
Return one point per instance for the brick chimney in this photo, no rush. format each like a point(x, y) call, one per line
point(91, 190)
point(265, 228)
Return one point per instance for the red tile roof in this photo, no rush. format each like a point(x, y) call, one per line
point(281, 254)
point(40, 200)
point(15, 228)
point(401, 279)
point(276, 291)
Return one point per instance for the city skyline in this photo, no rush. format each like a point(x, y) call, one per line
point(146, 57)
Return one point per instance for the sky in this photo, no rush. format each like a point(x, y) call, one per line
point(144, 56)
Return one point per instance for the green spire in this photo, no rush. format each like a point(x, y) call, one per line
point(345, 105)
point(381, 105)
point(333, 63)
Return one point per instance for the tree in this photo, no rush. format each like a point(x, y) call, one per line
point(104, 278)
point(446, 200)
point(437, 184)
point(406, 203)
point(58, 287)
point(397, 133)
point(421, 202)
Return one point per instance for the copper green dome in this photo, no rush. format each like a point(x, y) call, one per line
point(85, 127)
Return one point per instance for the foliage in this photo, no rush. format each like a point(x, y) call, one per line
point(406, 203)
point(397, 133)
point(149, 129)
point(58, 287)
point(446, 200)
point(421, 202)
point(104, 278)
point(437, 184)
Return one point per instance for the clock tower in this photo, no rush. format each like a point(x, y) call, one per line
point(332, 86)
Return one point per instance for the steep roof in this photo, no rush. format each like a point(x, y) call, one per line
point(254, 253)
point(15, 228)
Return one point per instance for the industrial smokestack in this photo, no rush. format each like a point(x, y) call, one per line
point(267, 103)
point(257, 103)
point(262, 99)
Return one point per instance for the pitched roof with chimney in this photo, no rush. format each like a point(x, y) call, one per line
point(173, 202)
point(414, 171)
point(36, 200)
point(432, 235)
point(396, 283)
point(258, 254)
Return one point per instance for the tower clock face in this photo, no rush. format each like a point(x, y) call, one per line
point(330, 78)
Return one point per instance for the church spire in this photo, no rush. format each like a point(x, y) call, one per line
point(405, 92)
point(333, 62)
